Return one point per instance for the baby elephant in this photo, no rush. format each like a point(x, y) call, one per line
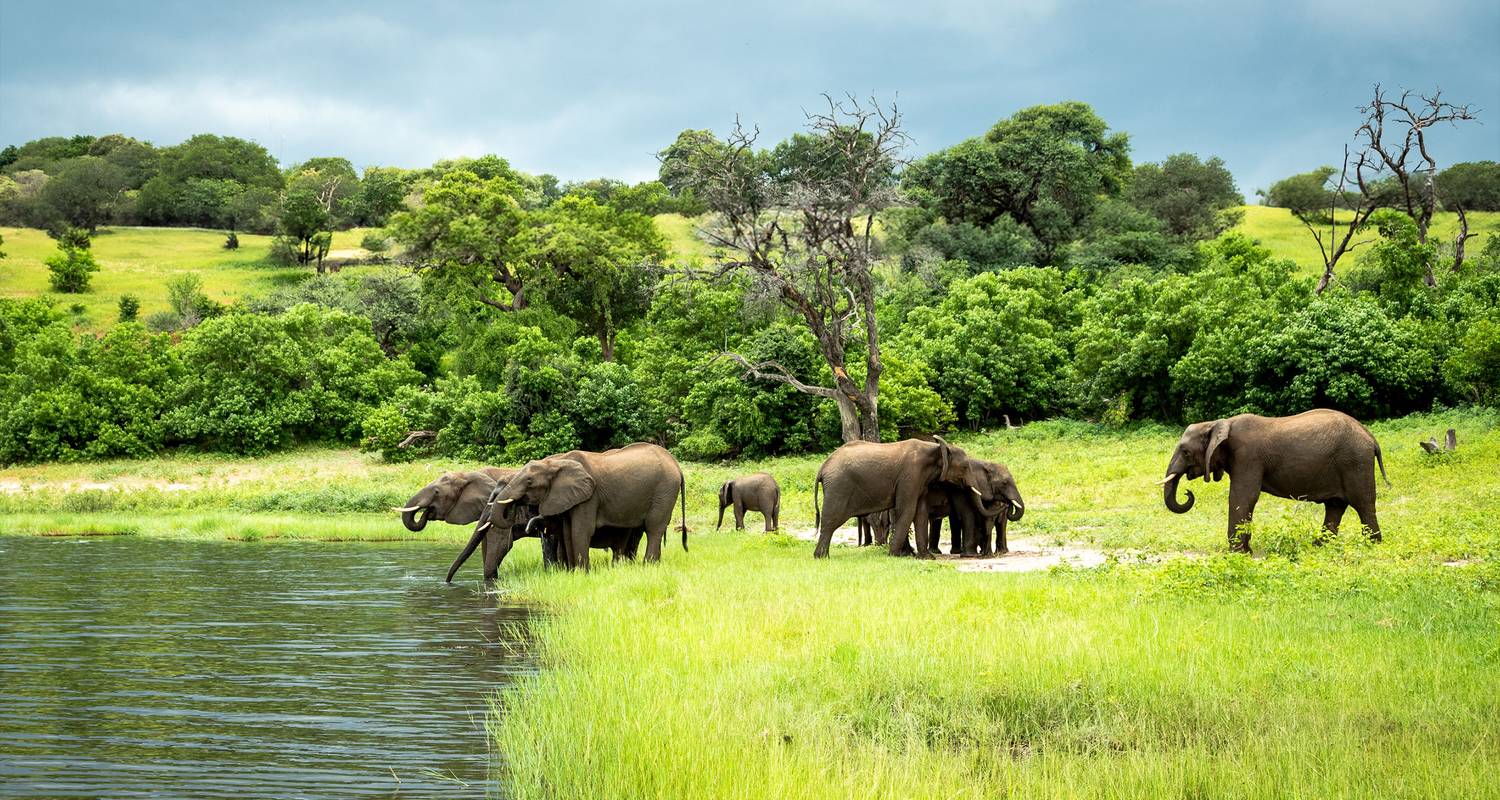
point(758, 492)
point(1322, 456)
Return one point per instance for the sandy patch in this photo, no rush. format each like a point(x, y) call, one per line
point(1026, 554)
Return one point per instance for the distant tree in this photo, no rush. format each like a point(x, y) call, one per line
point(1306, 195)
point(48, 152)
point(1046, 167)
point(208, 156)
point(137, 160)
point(1196, 199)
point(461, 237)
point(84, 191)
point(382, 192)
point(800, 220)
point(332, 180)
point(304, 219)
point(594, 263)
point(1471, 185)
point(71, 267)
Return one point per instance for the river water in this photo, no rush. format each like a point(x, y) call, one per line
point(134, 667)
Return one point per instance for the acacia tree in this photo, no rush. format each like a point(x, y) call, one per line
point(799, 219)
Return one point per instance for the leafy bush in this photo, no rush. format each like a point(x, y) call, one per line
point(71, 268)
point(376, 242)
point(130, 307)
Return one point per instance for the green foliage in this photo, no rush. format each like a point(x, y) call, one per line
point(996, 344)
point(256, 383)
point(130, 307)
point(1194, 199)
point(1045, 167)
point(71, 268)
point(376, 242)
point(1472, 186)
point(1306, 195)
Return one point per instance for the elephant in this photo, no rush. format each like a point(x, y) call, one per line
point(497, 530)
point(874, 528)
point(863, 478)
point(757, 492)
point(1323, 456)
point(457, 498)
point(630, 487)
point(993, 519)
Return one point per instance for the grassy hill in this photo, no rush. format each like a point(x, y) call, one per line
point(1277, 229)
point(140, 261)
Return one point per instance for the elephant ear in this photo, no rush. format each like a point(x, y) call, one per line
point(471, 500)
point(570, 486)
point(1216, 437)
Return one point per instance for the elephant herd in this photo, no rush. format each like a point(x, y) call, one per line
point(579, 500)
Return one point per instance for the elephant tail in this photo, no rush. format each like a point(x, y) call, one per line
point(1381, 462)
point(682, 493)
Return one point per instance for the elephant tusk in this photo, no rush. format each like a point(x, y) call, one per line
point(481, 528)
point(505, 502)
point(1169, 477)
point(404, 510)
point(976, 492)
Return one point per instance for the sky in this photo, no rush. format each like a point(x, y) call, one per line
point(589, 90)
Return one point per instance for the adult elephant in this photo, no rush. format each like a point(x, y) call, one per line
point(501, 525)
point(992, 519)
point(757, 492)
point(631, 487)
point(1323, 456)
point(457, 498)
point(863, 478)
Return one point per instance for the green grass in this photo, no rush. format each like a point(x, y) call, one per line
point(1277, 229)
point(140, 261)
point(745, 669)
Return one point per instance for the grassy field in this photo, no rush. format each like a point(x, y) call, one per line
point(745, 669)
point(1278, 230)
point(140, 261)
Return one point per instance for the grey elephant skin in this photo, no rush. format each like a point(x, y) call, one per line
point(1322, 456)
point(457, 498)
point(757, 492)
point(633, 487)
point(863, 478)
point(500, 525)
point(976, 528)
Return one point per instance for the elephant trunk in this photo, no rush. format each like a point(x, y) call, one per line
point(1017, 510)
point(416, 519)
point(1169, 495)
point(468, 551)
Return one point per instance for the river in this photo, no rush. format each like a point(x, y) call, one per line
point(134, 667)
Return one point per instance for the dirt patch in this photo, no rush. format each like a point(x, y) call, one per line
point(1026, 554)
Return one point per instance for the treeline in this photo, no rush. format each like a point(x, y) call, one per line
point(1030, 272)
point(82, 182)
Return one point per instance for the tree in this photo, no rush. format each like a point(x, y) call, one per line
point(382, 192)
point(332, 180)
point(304, 219)
point(460, 237)
point(72, 266)
point(1195, 199)
point(594, 263)
point(800, 220)
point(84, 190)
point(1306, 195)
point(1045, 167)
point(1471, 185)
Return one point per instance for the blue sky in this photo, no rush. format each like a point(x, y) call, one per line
point(584, 90)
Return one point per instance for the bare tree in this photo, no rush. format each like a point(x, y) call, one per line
point(800, 221)
point(1394, 139)
point(1392, 167)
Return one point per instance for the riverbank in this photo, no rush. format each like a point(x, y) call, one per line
point(743, 668)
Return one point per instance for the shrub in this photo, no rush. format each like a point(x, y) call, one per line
point(71, 268)
point(130, 307)
point(376, 242)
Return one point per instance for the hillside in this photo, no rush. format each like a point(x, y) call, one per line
point(141, 261)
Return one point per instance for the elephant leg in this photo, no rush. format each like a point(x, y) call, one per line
point(654, 539)
point(1333, 514)
point(934, 528)
point(1243, 494)
point(773, 520)
point(1002, 544)
point(739, 514)
point(580, 532)
point(1366, 511)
